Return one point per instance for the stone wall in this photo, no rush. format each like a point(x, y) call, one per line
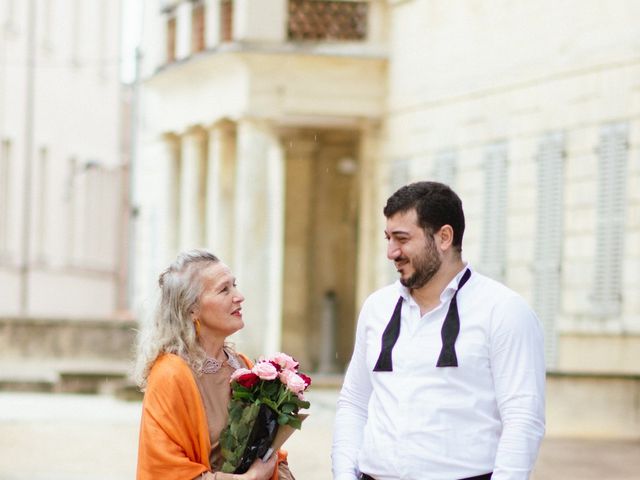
point(65, 355)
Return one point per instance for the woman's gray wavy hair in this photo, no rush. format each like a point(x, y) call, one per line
point(171, 329)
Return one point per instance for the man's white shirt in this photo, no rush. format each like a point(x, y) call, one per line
point(422, 422)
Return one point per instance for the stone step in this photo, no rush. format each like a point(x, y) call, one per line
point(62, 376)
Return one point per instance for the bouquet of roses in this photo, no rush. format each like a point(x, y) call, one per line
point(265, 401)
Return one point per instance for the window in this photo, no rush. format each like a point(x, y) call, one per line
point(399, 173)
point(549, 235)
point(171, 37)
point(102, 52)
point(198, 27)
point(444, 168)
point(70, 199)
point(42, 204)
point(610, 214)
point(5, 155)
point(226, 20)
point(76, 29)
point(493, 250)
point(9, 16)
point(47, 20)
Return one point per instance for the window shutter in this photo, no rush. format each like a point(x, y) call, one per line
point(5, 196)
point(493, 250)
point(399, 173)
point(610, 216)
point(549, 235)
point(444, 167)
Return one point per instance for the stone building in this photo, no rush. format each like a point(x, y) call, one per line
point(62, 204)
point(254, 142)
point(272, 132)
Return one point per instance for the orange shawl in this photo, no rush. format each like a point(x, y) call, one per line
point(174, 437)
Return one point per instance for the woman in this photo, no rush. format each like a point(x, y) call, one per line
point(184, 367)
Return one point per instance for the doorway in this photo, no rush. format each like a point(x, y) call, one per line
point(321, 219)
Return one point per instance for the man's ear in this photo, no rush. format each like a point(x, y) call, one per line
point(446, 237)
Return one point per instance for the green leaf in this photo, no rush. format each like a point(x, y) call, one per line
point(242, 396)
point(271, 404)
point(295, 422)
point(283, 419)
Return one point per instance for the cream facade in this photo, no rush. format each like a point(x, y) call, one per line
point(534, 111)
point(276, 147)
point(256, 147)
point(61, 169)
point(530, 111)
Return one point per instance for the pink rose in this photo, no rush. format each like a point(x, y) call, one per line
point(284, 375)
point(307, 380)
point(284, 361)
point(239, 372)
point(296, 383)
point(265, 370)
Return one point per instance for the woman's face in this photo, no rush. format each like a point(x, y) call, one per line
point(219, 306)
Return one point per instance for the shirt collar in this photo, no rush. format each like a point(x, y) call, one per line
point(446, 294)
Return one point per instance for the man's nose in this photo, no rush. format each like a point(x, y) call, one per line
point(393, 251)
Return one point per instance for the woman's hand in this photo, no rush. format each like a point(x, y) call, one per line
point(260, 470)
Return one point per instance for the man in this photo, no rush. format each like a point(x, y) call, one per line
point(447, 376)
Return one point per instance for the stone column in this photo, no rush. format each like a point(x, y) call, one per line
point(259, 226)
point(192, 180)
point(183, 30)
point(170, 199)
point(372, 268)
point(212, 23)
point(221, 173)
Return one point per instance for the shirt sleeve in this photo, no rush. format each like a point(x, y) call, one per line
point(351, 413)
point(518, 368)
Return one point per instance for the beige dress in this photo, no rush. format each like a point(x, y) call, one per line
point(214, 389)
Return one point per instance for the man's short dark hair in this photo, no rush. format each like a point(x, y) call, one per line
point(436, 205)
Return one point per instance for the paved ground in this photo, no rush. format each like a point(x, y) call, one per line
point(69, 437)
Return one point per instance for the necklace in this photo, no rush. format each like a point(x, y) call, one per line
point(213, 365)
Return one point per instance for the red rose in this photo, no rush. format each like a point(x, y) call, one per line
point(248, 380)
point(307, 380)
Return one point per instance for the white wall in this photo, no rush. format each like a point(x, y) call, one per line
point(76, 170)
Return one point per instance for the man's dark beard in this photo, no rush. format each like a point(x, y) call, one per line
point(426, 266)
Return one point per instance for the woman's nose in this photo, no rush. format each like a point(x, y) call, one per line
point(238, 297)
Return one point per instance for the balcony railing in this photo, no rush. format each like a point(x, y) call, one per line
point(307, 20)
point(327, 20)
